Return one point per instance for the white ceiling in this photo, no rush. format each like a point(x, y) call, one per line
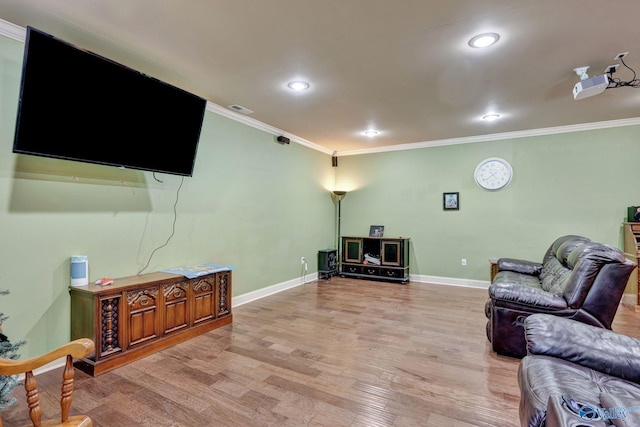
point(402, 67)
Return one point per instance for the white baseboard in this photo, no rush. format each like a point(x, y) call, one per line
point(451, 281)
point(630, 300)
point(59, 363)
point(414, 278)
point(271, 290)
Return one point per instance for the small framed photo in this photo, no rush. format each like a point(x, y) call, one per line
point(450, 201)
point(376, 231)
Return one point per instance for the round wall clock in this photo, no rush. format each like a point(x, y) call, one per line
point(493, 173)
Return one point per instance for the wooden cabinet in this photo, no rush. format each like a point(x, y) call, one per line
point(493, 269)
point(139, 315)
point(375, 258)
point(632, 252)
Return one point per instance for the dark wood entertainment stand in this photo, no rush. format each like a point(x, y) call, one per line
point(140, 315)
point(390, 257)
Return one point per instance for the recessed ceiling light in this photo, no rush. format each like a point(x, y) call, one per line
point(490, 117)
point(371, 133)
point(298, 85)
point(484, 40)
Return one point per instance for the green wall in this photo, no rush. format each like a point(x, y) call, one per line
point(252, 203)
point(571, 183)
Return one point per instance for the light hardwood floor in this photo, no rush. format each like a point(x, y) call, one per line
point(342, 352)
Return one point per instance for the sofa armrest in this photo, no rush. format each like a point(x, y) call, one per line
point(526, 295)
point(519, 266)
point(589, 346)
point(631, 416)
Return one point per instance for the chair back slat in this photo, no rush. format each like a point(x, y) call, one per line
point(79, 349)
point(67, 388)
point(33, 400)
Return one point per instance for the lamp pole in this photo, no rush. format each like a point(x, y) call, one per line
point(339, 195)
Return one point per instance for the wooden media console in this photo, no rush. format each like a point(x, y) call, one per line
point(140, 315)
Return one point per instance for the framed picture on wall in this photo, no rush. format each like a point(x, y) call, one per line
point(376, 231)
point(450, 201)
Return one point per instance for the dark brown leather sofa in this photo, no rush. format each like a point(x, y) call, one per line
point(577, 279)
point(569, 365)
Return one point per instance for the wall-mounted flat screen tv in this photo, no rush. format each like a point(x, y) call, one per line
point(77, 105)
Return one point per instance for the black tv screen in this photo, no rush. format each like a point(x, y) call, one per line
point(77, 105)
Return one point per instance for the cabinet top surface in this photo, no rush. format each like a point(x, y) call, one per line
point(149, 279)
point(378, 238)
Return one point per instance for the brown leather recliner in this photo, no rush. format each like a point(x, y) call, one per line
point(577, 279)
point(578, 375)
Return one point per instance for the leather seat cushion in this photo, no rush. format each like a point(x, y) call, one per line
point(541, 376)
point(516, 278)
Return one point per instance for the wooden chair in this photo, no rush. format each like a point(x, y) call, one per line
point(79, 348)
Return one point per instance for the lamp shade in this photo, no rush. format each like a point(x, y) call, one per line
point(340, 194)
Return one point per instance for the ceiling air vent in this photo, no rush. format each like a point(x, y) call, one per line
point(240, 109)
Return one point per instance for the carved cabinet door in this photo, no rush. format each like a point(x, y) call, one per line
point(204, 299)
point(144, 317)
point(176, 306)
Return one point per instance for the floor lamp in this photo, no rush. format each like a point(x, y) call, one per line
point(339, 195)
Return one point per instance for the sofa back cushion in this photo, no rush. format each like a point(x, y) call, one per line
point(551, 252)
point(585, 263)
point(556, 269)
point(554, 275)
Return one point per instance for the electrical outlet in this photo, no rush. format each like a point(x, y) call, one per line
point(302, 260)
point(464, 261)
point(621, 55)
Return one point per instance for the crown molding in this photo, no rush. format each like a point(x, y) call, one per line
point(225, 112)
point(12, 31)
point(497, 136)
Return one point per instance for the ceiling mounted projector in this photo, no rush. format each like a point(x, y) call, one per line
point(589, 86)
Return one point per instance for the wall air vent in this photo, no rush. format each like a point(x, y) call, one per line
point(240, 109)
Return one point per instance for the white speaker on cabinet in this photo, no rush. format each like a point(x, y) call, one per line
point(79, 270)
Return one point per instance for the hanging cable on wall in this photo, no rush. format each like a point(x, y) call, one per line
point(173, 227)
